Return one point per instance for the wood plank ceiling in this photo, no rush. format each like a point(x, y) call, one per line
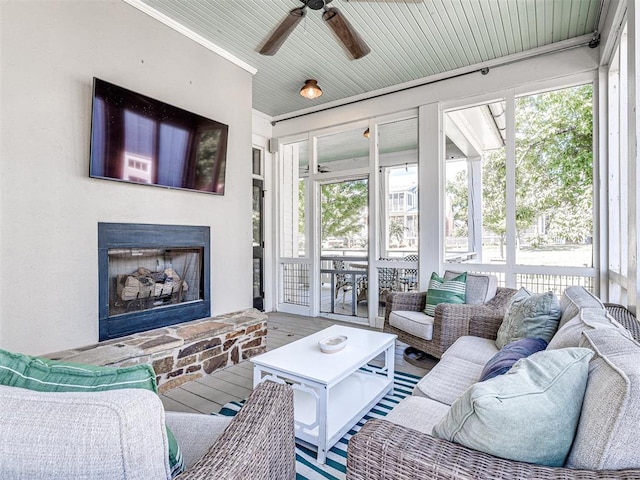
point(409, 40)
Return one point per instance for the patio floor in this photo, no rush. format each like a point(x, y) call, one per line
point(209, 393)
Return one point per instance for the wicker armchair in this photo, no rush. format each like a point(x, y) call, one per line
point(259, 443)
point(451, 321)
point(383, 450)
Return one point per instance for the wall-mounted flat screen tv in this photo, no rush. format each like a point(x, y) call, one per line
point(137, 139)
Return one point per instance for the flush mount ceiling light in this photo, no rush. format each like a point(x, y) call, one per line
point(310, 89)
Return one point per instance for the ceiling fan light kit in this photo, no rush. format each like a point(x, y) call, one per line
point(310, 89)
point(344, 31)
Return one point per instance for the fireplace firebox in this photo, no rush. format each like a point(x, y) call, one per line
point(151, 276)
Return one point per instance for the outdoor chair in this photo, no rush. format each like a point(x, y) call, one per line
point(387, 282)
point(409, 276)
point(343, 281)
point(483, 312)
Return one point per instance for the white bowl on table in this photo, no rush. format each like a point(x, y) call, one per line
point(333, 344)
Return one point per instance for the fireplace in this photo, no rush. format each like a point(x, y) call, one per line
point(151, 276)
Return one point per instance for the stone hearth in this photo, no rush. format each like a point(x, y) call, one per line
point(183, 352)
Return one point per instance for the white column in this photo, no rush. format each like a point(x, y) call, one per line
point(375, 210)
point(608, 249)
point(510, 254)
point(312, 230)
point(633, 69)
point(430, 196)
point(474, 211)
point(288, 214)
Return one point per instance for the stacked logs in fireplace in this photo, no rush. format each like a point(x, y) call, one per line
point(148, 289)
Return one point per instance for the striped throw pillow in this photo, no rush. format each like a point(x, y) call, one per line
point(445, 291)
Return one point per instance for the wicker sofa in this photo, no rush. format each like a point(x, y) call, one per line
point(605, 444)
point(121, 434)
point(481, 316)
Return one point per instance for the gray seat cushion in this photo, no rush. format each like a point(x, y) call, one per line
point(417, 324)
point(418, 413)
point(458, 369)
point(607, 436)
point(448, 379)
point(480, 288)
point(195, 433)
point(472, 349)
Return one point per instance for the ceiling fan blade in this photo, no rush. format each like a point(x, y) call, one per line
point(283, 30)
point(356, 46)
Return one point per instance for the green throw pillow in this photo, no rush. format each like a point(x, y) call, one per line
point(43, 375)
point(445, 291)
point(529, 316)
point(529, 414)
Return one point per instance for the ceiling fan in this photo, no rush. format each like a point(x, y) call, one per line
point(319, 169)
point(351, 40)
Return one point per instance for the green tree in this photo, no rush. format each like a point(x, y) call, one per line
point(554, 171)
point(344, 207)
point(494, 188)
point(396, 231)
point(554, 155)
point(457, 190)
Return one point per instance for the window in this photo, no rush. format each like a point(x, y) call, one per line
point(398, 153)
point(295, 158)
point(294, 266)
point(397, 203)
point(554, 177)
point(475, 190)
point(257, 162)
point(525, 215)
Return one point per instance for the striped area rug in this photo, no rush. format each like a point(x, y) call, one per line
point(335, 467)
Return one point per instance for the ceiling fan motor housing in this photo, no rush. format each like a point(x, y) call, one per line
point(315, 4)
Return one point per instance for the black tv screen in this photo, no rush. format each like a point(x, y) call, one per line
point(137, 139)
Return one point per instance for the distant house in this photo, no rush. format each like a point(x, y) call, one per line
point(403, 216)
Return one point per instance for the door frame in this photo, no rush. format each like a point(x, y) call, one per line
point(331, 178)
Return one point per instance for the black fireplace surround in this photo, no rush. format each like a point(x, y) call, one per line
point(128, 302)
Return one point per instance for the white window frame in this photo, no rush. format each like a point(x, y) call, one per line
point(511, 269)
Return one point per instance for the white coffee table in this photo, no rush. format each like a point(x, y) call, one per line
point(331, 391)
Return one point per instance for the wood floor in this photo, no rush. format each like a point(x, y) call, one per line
point(209, 393)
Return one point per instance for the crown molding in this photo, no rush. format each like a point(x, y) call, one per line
point(161, 17)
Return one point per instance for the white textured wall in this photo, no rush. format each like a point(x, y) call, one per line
point(50, 208)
